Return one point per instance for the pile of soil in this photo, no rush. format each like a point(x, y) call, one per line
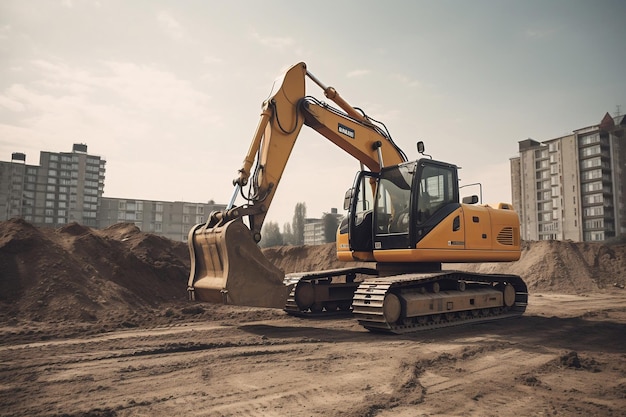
point(76, 272)
point(83, 274)
point(563, 266)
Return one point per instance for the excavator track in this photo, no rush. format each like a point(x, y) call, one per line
point(413, 302)
point(323, 293)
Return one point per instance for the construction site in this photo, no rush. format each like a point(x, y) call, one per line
point(98, 323)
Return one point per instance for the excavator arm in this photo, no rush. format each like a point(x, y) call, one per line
point(226, 264)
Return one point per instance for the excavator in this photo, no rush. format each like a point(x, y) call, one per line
point(405, 218)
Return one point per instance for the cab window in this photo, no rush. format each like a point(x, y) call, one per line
point(436, 190)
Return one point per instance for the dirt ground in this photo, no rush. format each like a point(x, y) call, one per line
point(96, 323)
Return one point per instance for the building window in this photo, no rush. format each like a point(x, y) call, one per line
point(593, 198)
point(594, 236)
point(589, 139)
point(591, 175)
point(594, 224)
point(592, 186)
point(594, 211)
point(592, 150)
point(591, 163)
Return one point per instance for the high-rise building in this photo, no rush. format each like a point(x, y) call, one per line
point(68, 187)
point(65, 187)
point(573, 187)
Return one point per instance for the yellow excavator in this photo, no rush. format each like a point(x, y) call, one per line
point(405, 218)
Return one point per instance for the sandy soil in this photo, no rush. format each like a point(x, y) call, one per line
point(90, 337)
point(566, 356)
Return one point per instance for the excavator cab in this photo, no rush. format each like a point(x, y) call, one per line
point(395, 208)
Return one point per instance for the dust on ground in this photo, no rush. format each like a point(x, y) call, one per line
point(97, 323)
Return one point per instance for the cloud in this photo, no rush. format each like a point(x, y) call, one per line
point(274, 42)
point(406, 80)
point(10, 103)
point(113, 102)
point(5, 32)
point(170, 25)
point(210, 59)
point(358, 73)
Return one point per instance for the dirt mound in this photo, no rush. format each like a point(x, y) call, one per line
point(75, 272)
point(563, 266)
point(78, 273)
point(306, 258)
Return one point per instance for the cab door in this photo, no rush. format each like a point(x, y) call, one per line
point(392, 220)
point(361, 212)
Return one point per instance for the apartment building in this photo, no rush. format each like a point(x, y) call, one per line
point(172, 219)
point(573, 187)
point(315, 230)
point(68, 187)
point(65, 187)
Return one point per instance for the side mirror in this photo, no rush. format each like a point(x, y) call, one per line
point(421, 148)
point(347, 199)
point(470, 199)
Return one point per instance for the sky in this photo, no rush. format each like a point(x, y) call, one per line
point(170, 92)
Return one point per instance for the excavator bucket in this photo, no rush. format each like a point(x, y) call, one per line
point(228, 267)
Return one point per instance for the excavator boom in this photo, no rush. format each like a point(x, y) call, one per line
point(227, 265)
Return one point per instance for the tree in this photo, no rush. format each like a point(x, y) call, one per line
point(271, 235)
point(297, 225)
point(331, 223)
point(287, 235)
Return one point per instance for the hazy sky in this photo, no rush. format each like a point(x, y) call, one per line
point(169, 92)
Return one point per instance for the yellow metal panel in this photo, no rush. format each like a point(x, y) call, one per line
point(443, 236)
point(477, 227)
